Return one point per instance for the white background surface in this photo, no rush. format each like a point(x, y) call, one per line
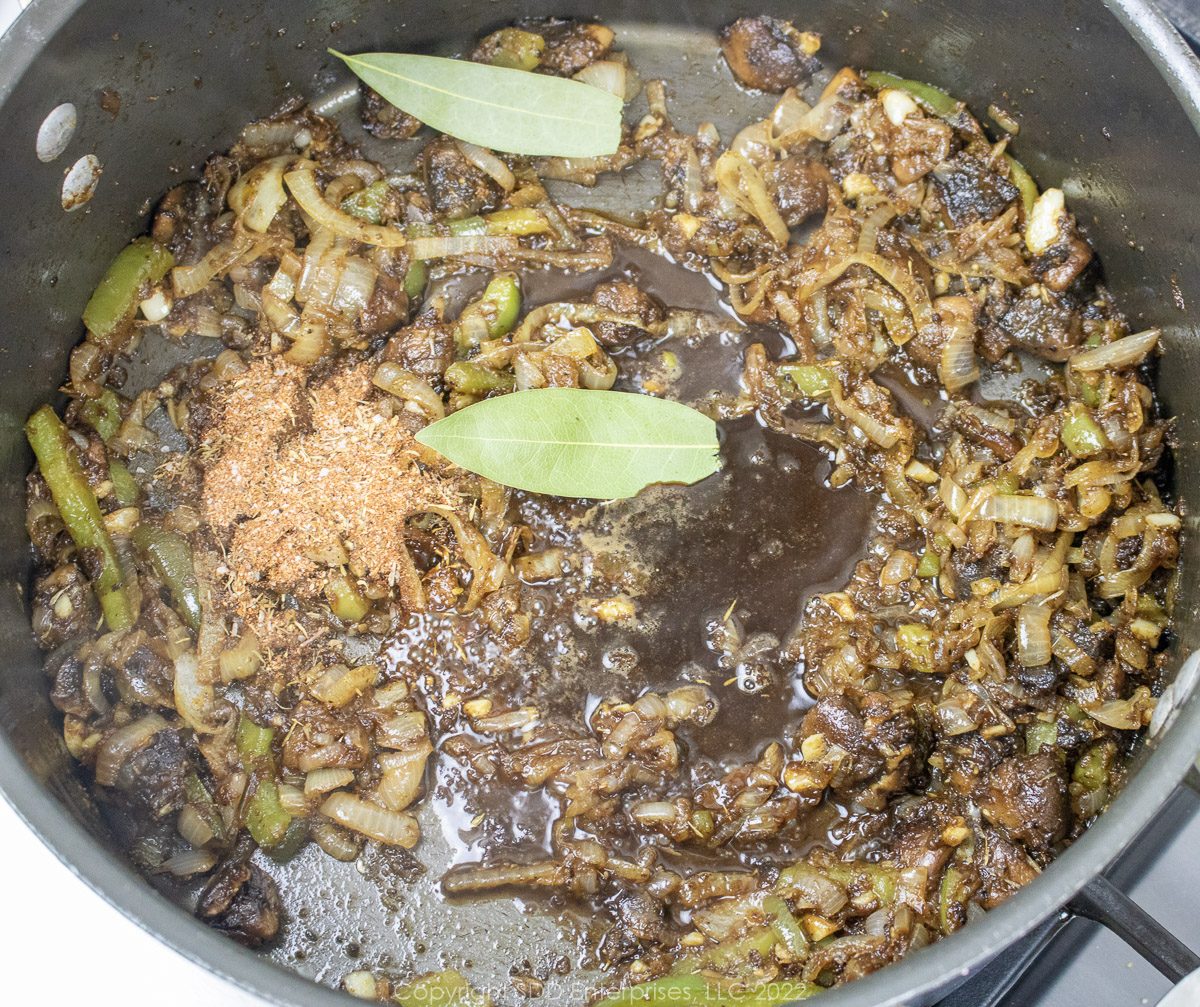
point(58, 938)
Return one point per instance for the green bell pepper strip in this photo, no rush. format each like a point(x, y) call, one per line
point(266, 818)
point(1092, 770)
point(915, 642)
point(810, 379)
point(956, 888)
point(467, 226)
point(198, 795)
point(253, 742)
point(500, 304)
point(102, 412)
point(933, 98)
point(125, 487)
point(930, 565)
point(785, 927)
point(1024, 183)
point(881, 877)
point(515, 49)
point(471, 379)
point(1082, 435)
point(345, 599)
point(414, 279)
point(367, 203)
point(171, 557)
point(1039, 735)
point(51, 443)
point(1007, 484)
point(140, 262)
point(1089, 392)
point(293, 840)
point(515, 222)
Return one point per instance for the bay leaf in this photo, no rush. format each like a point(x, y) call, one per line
point(574, 442)
point(509, 110)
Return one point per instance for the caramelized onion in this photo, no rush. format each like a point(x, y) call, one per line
point(489, 163)
point(1120, 353)
point(408, 386)
point(193, 826)
point(123, 742)
point(394, 828)
point(957, 367)
point(188, 862)
point(193, 699)
point(303, 185)
point(441, 246)
point(877, 218)
point(242, 248)
point(876, 431)
point(339, 684)
point(258, 195)
point(1027, 511)
point(607, 75)
point(742, 182)
point(337, 842)
point(403, 774)
point(321, 781)
point(1033, 634)
point(907, 286)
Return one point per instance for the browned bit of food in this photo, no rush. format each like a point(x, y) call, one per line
point(383, 119)
point(768, 54)
point(789, 723)
point(569, 45)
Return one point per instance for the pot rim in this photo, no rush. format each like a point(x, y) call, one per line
point(920, 973)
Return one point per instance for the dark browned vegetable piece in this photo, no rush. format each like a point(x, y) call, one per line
point(971, 191)
point(1059, 265)
point(241, 900)
point(456, 187)
point(570, 46)
point(426, 347)
point(155, 774)
point(767, 54)
point(799, 187)
point(625, 299)
point(1043, 323)
point(387, 308)
point(1026, 797)
point(383, 119)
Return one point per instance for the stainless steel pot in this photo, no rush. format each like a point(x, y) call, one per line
point(1109, 101)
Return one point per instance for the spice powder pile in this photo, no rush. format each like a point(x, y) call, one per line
point(300, 476)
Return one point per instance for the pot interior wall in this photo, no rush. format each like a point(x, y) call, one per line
point(1096, 119)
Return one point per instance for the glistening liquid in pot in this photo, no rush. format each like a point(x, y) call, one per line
point(753, 542)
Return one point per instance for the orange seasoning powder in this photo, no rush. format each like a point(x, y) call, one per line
point(301, 477)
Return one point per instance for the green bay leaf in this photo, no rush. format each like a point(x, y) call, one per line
point(510, 110)
point(574, 442)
